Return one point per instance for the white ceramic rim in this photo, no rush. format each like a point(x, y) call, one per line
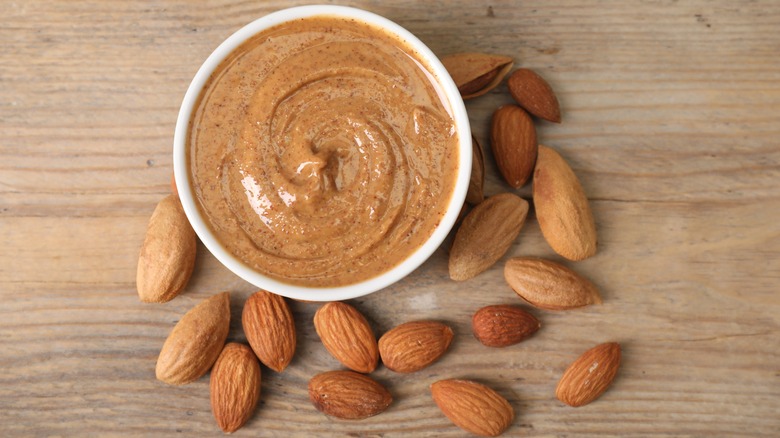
point(244, 271)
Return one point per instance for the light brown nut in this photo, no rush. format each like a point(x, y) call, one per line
point(414, 345)
point(348, 395)
point(234, 387)
point(590, 375)
point(476, 73)
point(513, 140)
point(486, 234)
point(167, 256)
point(475, 193)
point(534, 94)
point(270, 329)
point(195, 341)
point(503, 325)
point(473, 407)
point(562, 208)
point(347, 336)
point(549, 285)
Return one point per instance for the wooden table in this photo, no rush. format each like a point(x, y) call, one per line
point(671, 120)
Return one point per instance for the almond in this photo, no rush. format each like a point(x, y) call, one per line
point(549, 285)
point(195, 341)
point(168, 254)
point(348, 395)
point(562, 207)
point(347, 336)
point(473, 407)
point(476, 73)
point(534, 94)
point(590, 375)
point(475, 193)
point(513, 140)
point(270, 329)
point(486, 234)
point(235, 386)
point(503, 325)
point(414, 345)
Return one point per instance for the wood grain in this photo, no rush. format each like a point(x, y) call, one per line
point(671, 119)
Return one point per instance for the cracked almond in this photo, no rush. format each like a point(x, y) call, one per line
point(476, 73)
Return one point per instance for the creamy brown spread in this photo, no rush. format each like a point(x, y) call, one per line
point(321, 152)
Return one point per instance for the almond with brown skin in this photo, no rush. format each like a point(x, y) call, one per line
point(513, 140)
point(234, 386)
point(348, 395)
point(270, 329)
point(534, 94)
point(347, 336)
point(473, 407)
point(475, 193)
point(195, 341)
point(476, 73)
point(549, 285)
point(590, 375)
point(486, 234)
point(168, 254)
point(503, 325)
point(414, 345)
point(562, 208)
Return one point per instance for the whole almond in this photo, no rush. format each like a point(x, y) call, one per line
point(503, 325)
point(549, 285)
point(347, 336)
point(195, 341)
point(534, 94)
point(476, 73)
point(513, 140)
point(270, 329)
point(168, 254)
point(414, 345)
point(235, 386)
point(348, 395)
point(475, 193)
point(590, 375)
point(486, 234)
point(562, 208)
point(473, 407)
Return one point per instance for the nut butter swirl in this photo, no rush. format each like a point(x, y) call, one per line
point(321, 153)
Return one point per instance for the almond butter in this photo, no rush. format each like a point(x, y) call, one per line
point(549, 285)
point(270, 329)
point(590, 375)
point(347, 336)
point(195, 341)
point(503, 325)
point(414, 345)
point(486, 234)
point(348, 395)
point(562, 208)
point(168, 253)
point(513, 140)
point(234, 386)
point(473, 407)
point(476, 73)
point(534, 94)
point(475, 193)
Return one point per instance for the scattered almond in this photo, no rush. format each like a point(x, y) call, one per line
point(503, 325)
point(590, 375)
point(476, 73)
point(235, 386)
point(549, 285)
point(414, 345)
point(168, 254)
point(513, 140)
point(475, 193)
point(473, 407)
point(486, 234)
point(347, 336)
point(348, 395)
point(270, 329)
point(562, 207)
point(195, 341)
point(534, 94)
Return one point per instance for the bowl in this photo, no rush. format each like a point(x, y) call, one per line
point(382, 280)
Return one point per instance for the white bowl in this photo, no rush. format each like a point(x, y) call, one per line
point(382, 280)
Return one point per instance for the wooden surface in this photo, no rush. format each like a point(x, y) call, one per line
point(671, 120)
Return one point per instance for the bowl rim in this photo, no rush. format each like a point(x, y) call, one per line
point(373, 284)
